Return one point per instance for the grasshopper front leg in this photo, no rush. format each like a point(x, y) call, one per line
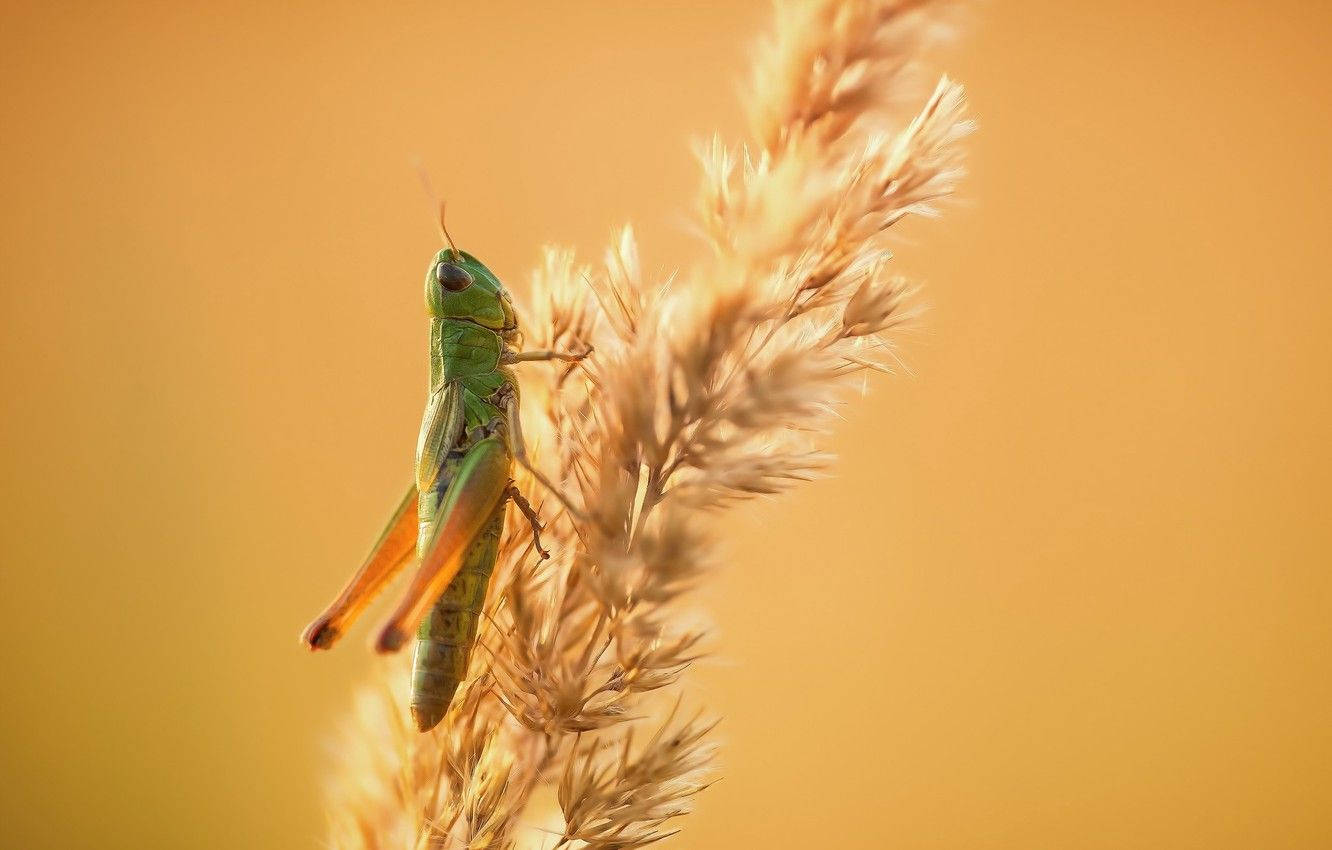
point(396, 544)
point(540, 354)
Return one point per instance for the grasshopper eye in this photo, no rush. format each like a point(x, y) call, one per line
point(453, 278)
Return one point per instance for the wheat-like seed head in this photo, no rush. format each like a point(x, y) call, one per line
point(707, 388)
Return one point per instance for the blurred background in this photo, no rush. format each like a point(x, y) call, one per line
point(1070, 586)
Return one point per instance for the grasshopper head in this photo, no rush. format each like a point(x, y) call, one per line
point(459, 286)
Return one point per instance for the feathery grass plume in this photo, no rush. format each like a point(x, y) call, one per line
point(706, 388)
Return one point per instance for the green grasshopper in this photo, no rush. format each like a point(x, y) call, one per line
point(453, 515)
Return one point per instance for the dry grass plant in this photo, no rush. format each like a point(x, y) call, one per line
point(705, 389)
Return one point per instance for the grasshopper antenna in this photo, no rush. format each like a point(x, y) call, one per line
point(437, 204)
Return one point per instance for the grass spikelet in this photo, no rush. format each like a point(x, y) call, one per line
point(707, 388)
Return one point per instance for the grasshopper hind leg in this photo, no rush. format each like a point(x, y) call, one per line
point(475, 490)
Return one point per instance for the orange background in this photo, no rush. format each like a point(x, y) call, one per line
point(1070, 587)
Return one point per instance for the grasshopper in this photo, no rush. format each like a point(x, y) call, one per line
point(453, 514)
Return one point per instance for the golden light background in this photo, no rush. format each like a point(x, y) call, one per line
point(1069, 588)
